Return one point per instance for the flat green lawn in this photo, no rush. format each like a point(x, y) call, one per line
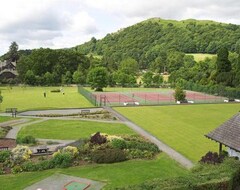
point(28, 98)
point(70, 129)
point(183, 126)
point(201, 56)
point(115, 175)
point(5, 118)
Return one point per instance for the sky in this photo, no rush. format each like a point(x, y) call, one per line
point(67, 23)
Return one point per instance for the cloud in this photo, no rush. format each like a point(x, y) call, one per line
point(66, 23)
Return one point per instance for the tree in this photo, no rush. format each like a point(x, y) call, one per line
point(12, 54)
point(147, 79)
point(78, 77)
point(1, 97)
point(30, 78)
point(179, 94)
point(223, 64)
point(48, 78)
point(67, 78)
point(98, 78)
point(129, 66)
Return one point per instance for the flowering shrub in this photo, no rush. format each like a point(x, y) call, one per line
point(20, 154)
point(70, 149)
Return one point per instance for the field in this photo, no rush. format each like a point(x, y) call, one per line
point(29, 98)
point(72, 130)
point(182, 127)
point(5, 118)
point(201, 56)
point(115, 175)
point(147, 96)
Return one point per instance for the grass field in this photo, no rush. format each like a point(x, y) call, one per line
point(183, 127)
point(65, 129)
point(5, 118)
point(27, 98)
point(201, 56)
point(115, 175)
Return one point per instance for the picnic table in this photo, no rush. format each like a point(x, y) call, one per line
point(42, 149)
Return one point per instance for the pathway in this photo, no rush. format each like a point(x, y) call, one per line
point(162, 146)
point(14, 131)
point(13, 122)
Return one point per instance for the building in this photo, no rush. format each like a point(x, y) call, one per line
point(8, 70)
point(228, 134)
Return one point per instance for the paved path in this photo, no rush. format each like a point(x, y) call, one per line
point(162, 146)
point(13, 122)
point(14, 131)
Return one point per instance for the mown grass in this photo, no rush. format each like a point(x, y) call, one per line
point(29, 98)
point(5, 118)
point(70, 129)
point(201, 56)
point(183, 127)
point(115, 175)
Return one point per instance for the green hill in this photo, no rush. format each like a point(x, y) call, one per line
point(144, 41)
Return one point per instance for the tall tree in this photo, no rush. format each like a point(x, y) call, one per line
point(12, 54)
point(223, 64)
point(98, 78)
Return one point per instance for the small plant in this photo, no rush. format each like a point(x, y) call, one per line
point(119, 143)
point(71, 150)
point(26, 140)
point(4, 155)
point(179, 94)
point(62, 160)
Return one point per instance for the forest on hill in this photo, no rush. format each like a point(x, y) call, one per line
point(152, 39)
point(146, 49)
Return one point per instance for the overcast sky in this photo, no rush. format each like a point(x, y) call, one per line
point(66, 23)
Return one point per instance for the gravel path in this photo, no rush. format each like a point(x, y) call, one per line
point(14, 131)
point(13, 122)
point(162, 146)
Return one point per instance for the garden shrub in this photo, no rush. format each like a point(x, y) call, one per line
point(71, 150)
point(62, 160)
point(16, 169)
point(29, 166)
point(26, 140)
point(142, 146)
point(212, 158)
point(119, 143)
point(139, 154)
point(4, 155)
point(108, 156)
point(56, 90)
point(20, 154)
point(98, 139)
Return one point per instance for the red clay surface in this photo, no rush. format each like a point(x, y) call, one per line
point(115, 97)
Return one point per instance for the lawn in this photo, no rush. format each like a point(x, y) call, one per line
point(183, 127)
point(201, 56)
point(5, 118)
point(28, 98)
point(72, 129)
point(115, 175)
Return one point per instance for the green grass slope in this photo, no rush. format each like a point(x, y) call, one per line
point(183, 127)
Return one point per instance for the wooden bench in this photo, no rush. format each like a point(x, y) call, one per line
point(12, 110)
point(85, 111)
point(42, 149)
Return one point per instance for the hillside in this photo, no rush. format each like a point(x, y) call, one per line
point(144, 41)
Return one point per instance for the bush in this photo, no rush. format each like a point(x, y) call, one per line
point(26, 140)
point(20, 154)
point(98, 139)
point(62, 160)
point(56, 90)
point(16, 169)
point(212, 158)
point(108, 156)
point(71, 150)
point(142, 146)
point(119, 143)
point(139, 154)
point(4, 155)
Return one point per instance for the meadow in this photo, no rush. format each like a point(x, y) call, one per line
point(72, 129)
point(182, 127)
point(201, 56)
point(115, 175)
point(31, 98)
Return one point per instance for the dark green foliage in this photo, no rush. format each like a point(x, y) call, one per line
point(119, 143)
point(56, 90)
point(4, 156)
point(98, 78)
point(108, 155)
point(142, 145)
point(223, 64)
point(62, 160)
point(26, 140)
point(98, 139)
point(179, 94)
point(12, 54)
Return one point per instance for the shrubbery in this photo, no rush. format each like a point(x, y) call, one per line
point(98, 139)
point(212, 158)
point(108, 156)
point(26, 140)
point(20, 154)
point(4, 155)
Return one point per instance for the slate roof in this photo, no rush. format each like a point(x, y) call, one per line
point(228, 133)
